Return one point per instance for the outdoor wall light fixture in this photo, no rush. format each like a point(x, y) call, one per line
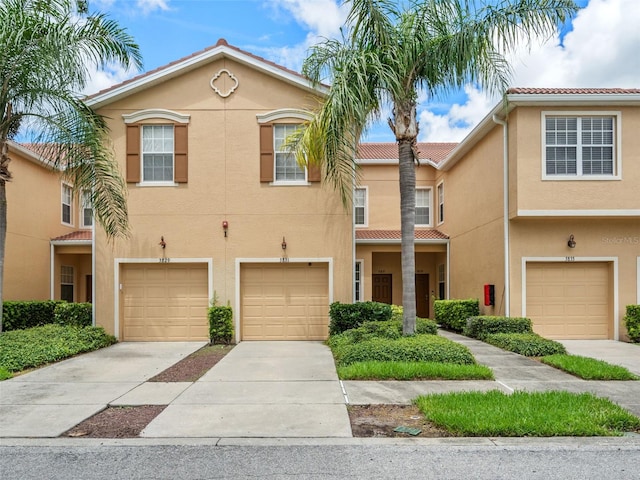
point(571, 243)
point(225, 227)
point(162, 243)
point(284, 244)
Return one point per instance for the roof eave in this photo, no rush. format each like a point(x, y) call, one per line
point(394, 241)
point(31, 155)
point(190, 63)
point(71, 243)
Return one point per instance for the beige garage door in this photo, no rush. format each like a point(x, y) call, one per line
point(164, 302)
point(284, 301)
point(569, 300)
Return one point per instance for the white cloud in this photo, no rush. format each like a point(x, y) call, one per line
point(101, 79)
point(600, 51)
point(322, 17)
point(148, 6)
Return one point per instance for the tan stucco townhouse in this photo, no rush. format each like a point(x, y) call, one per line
point(219, 210)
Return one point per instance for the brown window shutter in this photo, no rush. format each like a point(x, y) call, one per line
point(266, 153)
point(314, 173)
point(133, 153)
point(181, 163)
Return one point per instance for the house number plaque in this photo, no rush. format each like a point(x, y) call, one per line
point(164, 260)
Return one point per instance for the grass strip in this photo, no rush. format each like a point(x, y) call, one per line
point(588, 368)
point(526, 414)
point(375, 370)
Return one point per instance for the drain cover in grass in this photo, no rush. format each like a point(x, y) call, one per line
point(409, 430)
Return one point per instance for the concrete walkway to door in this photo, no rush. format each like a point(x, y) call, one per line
point(261, 389)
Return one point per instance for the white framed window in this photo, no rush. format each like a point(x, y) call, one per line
point(67, 204)
point(66, 283)
point(423, 206)
point(358, 289)
point(581, 145)
point(86, 217)
point(360, 217)
point(286, 168)
point(157, 153)
point(442, 282)
point(440, 190)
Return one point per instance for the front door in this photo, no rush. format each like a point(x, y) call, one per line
point(422, 295)
point(382, 288)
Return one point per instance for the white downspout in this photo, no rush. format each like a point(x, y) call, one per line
point(505, 214)
point(52, 256)
point(93, 272)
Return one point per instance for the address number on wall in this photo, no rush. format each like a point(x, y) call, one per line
point(164, 260)
point(569, 259)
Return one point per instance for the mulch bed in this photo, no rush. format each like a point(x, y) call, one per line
point(382, 420)
point(194, 366)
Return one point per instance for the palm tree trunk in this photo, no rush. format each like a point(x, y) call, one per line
point(3, 234)
point(407, 227)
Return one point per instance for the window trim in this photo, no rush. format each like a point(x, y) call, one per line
point(430, 224)
point(64, 186)
point(365, 207)
point(157, 183)
point(440, 189)
point(617, 143)
point(287, 183)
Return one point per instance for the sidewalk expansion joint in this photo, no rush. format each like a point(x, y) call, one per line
point(344, 393)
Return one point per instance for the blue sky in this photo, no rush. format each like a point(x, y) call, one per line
point(598, 49)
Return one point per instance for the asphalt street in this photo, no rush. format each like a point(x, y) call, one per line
point(522, 460)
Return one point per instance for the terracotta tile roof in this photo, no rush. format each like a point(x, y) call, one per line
point(430, 234)
point(75, 236)
point(387, 151)
point(573, 91)
point(220, 43)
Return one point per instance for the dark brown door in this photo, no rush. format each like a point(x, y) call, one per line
point(422, 295)
point(382, 288)
point(89, 288)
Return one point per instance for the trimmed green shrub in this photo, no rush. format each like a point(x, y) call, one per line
point(396, 312)
point(74, 314)
point(453, 314)
point(33, 347)
point(632, 322)
point(345, 316)
point(18, 315)
point(220, 324)
point(527, 344)
point(479, 327)
point(416, 348)
point(391, 329)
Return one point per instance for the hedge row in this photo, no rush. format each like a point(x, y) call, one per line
point(20, 315)
point(453, 314)
point(632, 322)
point(527, 344)
point(480, 327)
point(345, 316)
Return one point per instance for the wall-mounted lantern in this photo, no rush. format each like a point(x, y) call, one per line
point(572, 242)
point(284, 244)
point(225, 227)
point(162, 243)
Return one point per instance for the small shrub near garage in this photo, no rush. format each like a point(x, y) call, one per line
point(73, 314)
point(632, 322)
point(453, 314)
point(479, 327)
point(345, 316)
point(527, 344)
point(18, 315)
point(33, 347)
point(416, 348)
point(220, 324)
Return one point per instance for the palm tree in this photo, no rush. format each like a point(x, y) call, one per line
point(386, 57)
point(48, 48)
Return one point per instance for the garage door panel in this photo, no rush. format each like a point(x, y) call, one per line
point(165, 302)
point(569, 300)
point(282, 302)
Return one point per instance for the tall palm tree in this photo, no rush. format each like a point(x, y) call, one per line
point(47, 50)
point(387, 56)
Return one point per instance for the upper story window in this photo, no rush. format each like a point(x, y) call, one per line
point(157, 153)
point(360, 207)
point(67, 204)
point(87, 209)
point(277, 165)
point(286, 167)
point(440, 202)
point(581, 147)
point(423, 206)
point(157, 147)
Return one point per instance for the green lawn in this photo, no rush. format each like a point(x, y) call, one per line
point(588, 368)
point(524, 414)
point(374, 370)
